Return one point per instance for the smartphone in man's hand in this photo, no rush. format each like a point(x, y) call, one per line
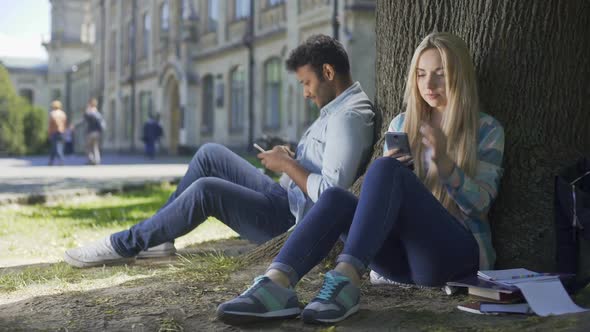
point(398, 140)
point(258, 147)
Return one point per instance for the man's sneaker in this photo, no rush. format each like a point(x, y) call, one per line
point(163, 250)
point(96, 254)
point(337, 299)
point(264, 300)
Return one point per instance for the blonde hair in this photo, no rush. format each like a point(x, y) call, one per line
point(56, 105)
point(461, 117)
point(93, 102)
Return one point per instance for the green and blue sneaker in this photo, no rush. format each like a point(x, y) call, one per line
point(337, 299)
point(264, 300)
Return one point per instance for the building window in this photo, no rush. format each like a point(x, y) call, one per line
point(28, 94)
point(272, 93)
point(145, 106)
point(208, 106)
point(112, 121)
point(242, 9)
point(164, 17)
point(146, 34)
point(113, 59)
point(56, 94)
point(237, 96)
point(130, 42)
point(272, 3)
point(213, 15)
point(126, 118)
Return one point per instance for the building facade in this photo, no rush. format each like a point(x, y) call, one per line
point(212, 71)
point(190, 62)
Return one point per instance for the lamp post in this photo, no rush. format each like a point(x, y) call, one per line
point(335, 23)
point(249, 42)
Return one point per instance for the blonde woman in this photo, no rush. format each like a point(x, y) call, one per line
point(423, 227)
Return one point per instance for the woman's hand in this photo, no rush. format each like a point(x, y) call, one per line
point(404, 158)
point(436, 140)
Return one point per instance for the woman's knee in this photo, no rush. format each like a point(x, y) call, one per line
point(384, 165)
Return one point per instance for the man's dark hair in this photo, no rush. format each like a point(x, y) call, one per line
point(316, 51)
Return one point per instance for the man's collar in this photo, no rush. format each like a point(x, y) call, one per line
point(335, 103)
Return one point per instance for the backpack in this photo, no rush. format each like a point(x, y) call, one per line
point(572, 221)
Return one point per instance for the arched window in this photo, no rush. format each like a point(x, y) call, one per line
point(272, 94)
point(208, 105)
point(237, 96)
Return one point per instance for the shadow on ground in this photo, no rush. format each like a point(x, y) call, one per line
point(165, 303)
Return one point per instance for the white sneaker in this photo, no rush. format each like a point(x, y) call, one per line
point(163, 250)
point(95, 254)
point(377, 279)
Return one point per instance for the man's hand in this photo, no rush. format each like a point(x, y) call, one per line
point(276, 159)
point(288, 149)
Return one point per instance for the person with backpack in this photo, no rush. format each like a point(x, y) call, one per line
point(152, 132)
point(95, 125)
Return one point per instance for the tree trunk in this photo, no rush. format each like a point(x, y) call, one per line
point(532, 61)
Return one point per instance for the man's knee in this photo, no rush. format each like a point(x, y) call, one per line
point(208, 150)
point(206, 190)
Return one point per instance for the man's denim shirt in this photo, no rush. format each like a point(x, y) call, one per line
point(334, 148)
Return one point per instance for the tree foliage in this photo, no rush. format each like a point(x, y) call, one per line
point(22, 126)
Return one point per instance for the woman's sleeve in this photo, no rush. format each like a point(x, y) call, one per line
point(474, 196)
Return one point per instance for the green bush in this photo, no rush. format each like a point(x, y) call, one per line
point(11, 117)
point(35, 129)
point(23, 128)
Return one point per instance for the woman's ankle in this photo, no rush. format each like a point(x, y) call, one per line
point(278, 277)
point(350, 271)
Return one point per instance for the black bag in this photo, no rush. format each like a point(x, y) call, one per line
point(572, 221)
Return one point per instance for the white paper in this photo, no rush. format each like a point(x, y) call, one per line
point(548, 298)
point(510, 282)
point(503, 274)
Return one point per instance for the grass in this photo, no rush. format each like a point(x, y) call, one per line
point(41, 233)
point(32, 234)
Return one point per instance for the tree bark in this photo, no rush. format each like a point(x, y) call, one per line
point(533, 74)
point(532, 62)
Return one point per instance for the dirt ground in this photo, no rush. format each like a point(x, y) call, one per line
point(160, 304)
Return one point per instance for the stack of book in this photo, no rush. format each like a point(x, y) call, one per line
point(495, 292)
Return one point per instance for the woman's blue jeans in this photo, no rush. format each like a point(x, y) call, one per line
point(396, 227)
point(221, 184)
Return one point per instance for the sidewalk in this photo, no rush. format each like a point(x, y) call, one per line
point(30, 180)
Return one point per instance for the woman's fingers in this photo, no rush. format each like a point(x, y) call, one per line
point(390, 153)
point(404, 158)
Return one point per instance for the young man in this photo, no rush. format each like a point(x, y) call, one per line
point(332, 152)
point(57, 127)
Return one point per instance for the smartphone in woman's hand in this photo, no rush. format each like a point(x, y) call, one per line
point(398, 140)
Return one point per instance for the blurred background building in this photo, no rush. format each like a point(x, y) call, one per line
point(213, 69)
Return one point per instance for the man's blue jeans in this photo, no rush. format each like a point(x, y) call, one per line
point(57, 148)
point(397, 228)
point(221, 184)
